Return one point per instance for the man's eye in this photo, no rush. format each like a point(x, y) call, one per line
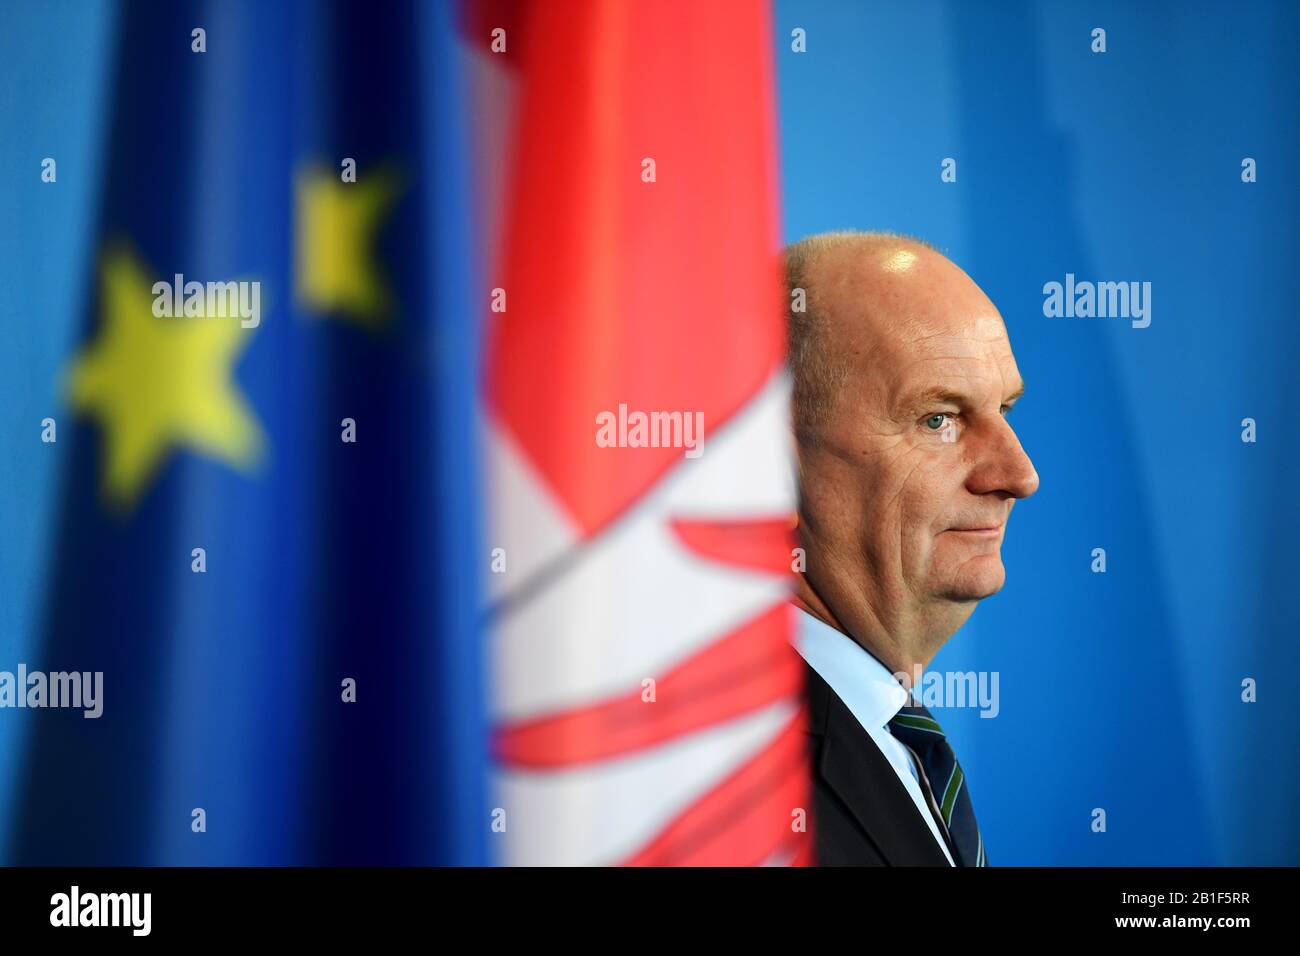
point(936, 422)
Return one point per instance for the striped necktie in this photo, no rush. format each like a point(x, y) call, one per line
point(915, 727)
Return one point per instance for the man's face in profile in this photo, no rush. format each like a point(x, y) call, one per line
point(915, 467)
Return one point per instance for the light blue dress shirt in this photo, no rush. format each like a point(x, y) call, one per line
point(873, 695)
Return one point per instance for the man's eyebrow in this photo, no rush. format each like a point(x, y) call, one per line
point(924, 398)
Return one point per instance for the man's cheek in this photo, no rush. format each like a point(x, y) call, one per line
point(948, 554)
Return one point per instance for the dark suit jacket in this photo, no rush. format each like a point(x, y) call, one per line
point(862, 814)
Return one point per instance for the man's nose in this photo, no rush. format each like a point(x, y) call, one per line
point(1004, 466)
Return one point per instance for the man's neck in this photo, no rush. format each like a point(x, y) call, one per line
point(904, 654)
point(806, 599)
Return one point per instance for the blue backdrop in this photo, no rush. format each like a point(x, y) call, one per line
point(1120, 691)
point(56, 54)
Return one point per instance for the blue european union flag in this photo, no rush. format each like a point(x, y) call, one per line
point(268, 520)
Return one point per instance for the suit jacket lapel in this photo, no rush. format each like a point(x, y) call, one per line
point(860, 775)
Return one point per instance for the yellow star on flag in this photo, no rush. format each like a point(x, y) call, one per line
point(338, 225)
point(158, 384)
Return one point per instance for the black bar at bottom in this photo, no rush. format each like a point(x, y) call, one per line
point(569, 906)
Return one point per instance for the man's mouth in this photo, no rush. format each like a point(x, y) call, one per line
point(987, 531)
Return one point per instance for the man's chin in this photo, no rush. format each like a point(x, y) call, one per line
point(976, 580)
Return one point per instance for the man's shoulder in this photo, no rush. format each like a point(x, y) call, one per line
point(820, 697)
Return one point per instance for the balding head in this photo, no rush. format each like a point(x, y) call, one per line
point(902, 375)
point(843, 277)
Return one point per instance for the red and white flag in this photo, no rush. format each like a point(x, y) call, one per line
point(647, 703)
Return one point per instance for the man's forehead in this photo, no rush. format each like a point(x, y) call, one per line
point(899, 290)
point(980, 336)
point(918, 364)
point(902, 313)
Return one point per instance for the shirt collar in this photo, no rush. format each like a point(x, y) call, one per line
point(865, 685)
